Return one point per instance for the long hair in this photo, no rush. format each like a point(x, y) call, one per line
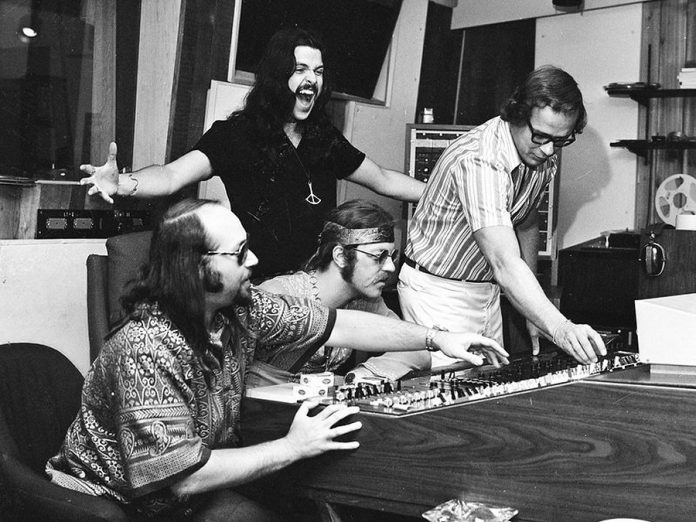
point(355, 214)
point(546, 86)
point(175, 276)
point(269, 104)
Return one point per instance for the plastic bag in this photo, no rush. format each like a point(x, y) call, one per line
point(457, 510)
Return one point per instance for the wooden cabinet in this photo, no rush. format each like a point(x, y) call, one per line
point(20, 202)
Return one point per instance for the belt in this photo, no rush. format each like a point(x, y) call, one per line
point(410, 262)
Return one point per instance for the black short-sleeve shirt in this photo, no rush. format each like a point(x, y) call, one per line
point(268, 194)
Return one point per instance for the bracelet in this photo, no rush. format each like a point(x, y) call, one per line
point(135, 185)
point(429, 344)
point(557, 329)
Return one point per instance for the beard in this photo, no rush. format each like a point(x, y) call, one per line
point(243, 296)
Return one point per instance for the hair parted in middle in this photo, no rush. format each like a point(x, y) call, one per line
point(270, 102)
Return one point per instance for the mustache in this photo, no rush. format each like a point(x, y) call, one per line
point(308, 85)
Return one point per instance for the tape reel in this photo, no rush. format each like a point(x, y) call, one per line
point(675, 195)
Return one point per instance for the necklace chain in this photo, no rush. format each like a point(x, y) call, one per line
point(312, 198)
point(315, 285)
point(315, 294)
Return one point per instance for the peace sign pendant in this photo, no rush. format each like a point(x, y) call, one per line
point(312, 199)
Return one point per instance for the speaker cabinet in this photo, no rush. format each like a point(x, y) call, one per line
point(679, 274)
point(599, 284)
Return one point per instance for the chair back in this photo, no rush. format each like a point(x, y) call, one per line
point(39, 398)
point(107, 279)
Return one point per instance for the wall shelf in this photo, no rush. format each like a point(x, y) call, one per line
point(645, 147)
point(643, 96)
point(641, 147)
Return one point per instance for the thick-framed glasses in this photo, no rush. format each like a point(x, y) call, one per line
point(539, 138)
point(382, 256)
point(241, 254)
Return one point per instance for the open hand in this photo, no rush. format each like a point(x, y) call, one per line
point(312, 436)
point(104, 179)
point(470, 347)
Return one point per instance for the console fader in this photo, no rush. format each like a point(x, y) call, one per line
point(475, 384)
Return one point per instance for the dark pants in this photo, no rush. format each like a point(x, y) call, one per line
point(230, 506)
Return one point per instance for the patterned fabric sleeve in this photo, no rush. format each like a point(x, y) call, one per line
point(289, 328)
point(154, 425)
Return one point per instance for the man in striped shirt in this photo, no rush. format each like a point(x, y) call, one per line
point(475, 229)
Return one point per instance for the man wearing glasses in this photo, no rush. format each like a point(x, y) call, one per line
point(475, 229)
point(353, 263)
point(159, 424)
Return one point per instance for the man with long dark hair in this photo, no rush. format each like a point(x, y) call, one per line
point(279, 158)
point(476, 231)
point(158, 427)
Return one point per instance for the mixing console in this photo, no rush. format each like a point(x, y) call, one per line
point(475, 384)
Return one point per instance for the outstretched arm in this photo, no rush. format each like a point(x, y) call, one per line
point(376, 333)
point(387, 182)
point(307, 437)
point(152, 181)
point(499, 246)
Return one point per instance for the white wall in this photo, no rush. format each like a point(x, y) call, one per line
point(380, 131)
point(472, 13)
point(43, 294)
point(597, 185)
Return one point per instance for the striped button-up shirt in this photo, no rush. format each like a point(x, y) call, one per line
point(479, 181)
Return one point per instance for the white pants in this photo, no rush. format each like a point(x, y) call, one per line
point(456, 306)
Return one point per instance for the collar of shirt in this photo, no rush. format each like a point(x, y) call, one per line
point(509, 157)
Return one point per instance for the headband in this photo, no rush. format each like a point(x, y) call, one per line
point(356, 236)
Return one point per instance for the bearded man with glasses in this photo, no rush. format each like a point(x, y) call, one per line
point(350, 268)
point(475, 230)
point(160, 421)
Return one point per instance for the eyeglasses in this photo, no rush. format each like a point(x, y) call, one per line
point(383, 255)
point(241, 253)
point(539, 138)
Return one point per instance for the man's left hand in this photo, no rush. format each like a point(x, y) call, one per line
point(534, 334)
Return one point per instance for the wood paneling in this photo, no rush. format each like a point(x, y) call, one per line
point(581, 452)
point(204, 56)
point(159, 40)
point(669, 43)
point(679, 276)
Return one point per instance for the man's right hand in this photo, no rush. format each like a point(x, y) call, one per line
point(312, 436)
point(580, 341)
point(104, 179)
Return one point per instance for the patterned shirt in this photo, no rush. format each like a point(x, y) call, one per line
point(152, 409)
point(299, 284)
point(479, 181)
